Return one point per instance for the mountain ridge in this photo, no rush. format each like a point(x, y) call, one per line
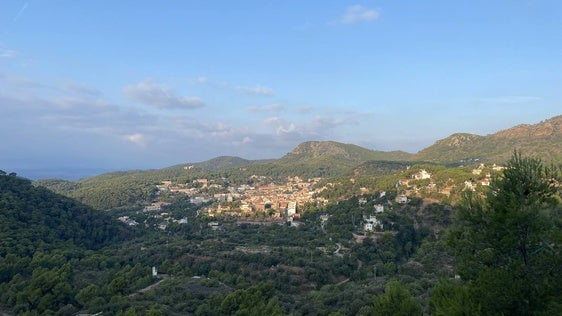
point(322, 159)
point(543, 139)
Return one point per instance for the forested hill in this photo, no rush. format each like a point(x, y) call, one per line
point(542, 140)
point(34, 218)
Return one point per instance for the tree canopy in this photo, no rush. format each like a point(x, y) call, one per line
point(507, 244)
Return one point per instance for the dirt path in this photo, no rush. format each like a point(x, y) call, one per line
point(337, 252)
point(150, 287)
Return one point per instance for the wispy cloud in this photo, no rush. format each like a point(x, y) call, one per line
point(316, 127)
point(136, 138)
point(20, 12)
point(160, 96)
point(357, 13)
point(510, 99)
point(321, 123)
point(257, 90)
point(266, 108)
point(81, 89)
point(7, 53)
point(305, 109)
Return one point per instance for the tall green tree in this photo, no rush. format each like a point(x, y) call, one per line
point(507, 244)
point(396, 301)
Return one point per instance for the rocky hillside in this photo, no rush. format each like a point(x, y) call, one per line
point(543, 140)
point(347, 153)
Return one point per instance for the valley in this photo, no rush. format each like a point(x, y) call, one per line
point(328, 228)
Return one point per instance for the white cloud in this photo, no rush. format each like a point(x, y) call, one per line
point(266, 108)
point(137, 138)
point(257, 90)
point(291, 128)
point(7, 53)
point(320, 123)
point(245, 140)
point(19, 83)
point(305, 109)
point(201, 80)
point(273, 120)
point(357, 13)
point(160, 96)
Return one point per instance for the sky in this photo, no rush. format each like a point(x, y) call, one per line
point(116, 85)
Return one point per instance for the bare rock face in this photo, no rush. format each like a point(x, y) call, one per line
point(458, 140)
point(551, 127)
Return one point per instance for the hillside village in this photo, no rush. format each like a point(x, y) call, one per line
point(263, 199)
point(267, 202)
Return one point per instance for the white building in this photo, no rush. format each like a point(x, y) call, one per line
point(402, 199)
point(371, 223)
point(421, 175)
point(292, 208)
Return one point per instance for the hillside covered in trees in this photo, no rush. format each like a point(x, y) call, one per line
point(318, 159)
point(42, 235)
point(424, 257)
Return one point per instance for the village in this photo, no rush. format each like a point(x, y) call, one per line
point(267, 202)
point(263, 199)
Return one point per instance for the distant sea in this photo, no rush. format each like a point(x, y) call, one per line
point(65, 174)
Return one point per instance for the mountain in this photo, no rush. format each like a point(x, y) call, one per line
point(222, 163)
point(349, 154)
point(325, 159)
point(317, 159)
point(34, 218)
point(543, 140)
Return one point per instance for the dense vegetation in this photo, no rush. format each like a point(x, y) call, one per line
point(508, 246)
point(309, 160)
point(42, 236)
point(35, 219)
point(322, 159)
point(503, 244)
point(316, 268)
point(543, 140)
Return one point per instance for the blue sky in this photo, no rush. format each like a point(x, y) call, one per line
point(148, 84)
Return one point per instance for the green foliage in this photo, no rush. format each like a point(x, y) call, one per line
point(278, 268)
point(34, 218)
point(43, 236)
point(452, 299)
point(508, 245)
point(498, 147)
point(256, 300)
point(396, 301)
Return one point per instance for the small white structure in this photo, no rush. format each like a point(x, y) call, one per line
point(214, 225)
point(421, 175)
point(379, 208)
point(402, 199)
point(497, 168)
point(292, 208)
point(154, 272)
point(371, 223)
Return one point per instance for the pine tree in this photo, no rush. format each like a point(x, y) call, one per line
point(507, 244)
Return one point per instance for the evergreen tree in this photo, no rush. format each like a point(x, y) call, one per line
point(396, 301)
point(507, 245)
